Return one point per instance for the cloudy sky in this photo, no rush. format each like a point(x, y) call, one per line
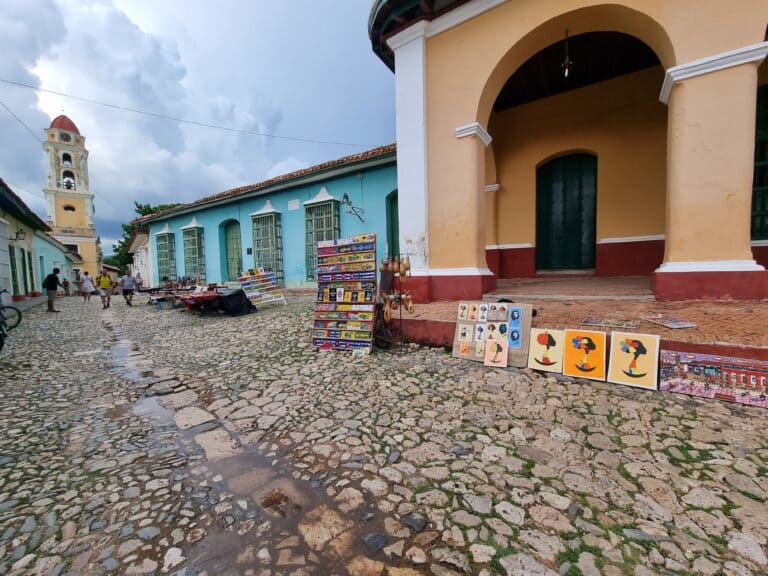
point(296, 68)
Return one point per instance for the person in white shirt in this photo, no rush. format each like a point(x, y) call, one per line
point(86, 287)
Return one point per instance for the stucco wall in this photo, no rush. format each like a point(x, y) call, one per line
point(66, 219)
point(621, 121)
point(467, 66)
point(366, 190)
point(47, 256)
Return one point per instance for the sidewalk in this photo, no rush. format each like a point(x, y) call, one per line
point(27, 303)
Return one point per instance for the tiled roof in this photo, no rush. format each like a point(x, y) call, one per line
point(298, 174)
point(64, 123)
point(10, 202)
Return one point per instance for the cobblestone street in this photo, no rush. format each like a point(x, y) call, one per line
point(138, 441)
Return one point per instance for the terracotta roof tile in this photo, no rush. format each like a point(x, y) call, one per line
point(234, 192)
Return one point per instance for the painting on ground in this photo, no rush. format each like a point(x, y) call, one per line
point(546, 350)
point(585, 354)
point(634, 360)
point(720, 377)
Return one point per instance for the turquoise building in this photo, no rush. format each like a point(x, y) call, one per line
point(50, 254)
point(277, 223)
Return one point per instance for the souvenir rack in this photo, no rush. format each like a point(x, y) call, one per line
point(346, 293)
point(261, 286)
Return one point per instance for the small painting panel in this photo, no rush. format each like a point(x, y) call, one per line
point(463, 311)
point(634, 360)
point(546, 350)
point(720, 377)
point(496, 352)
point(585, 354)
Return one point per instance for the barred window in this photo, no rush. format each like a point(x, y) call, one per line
point(268, 243)
point(321, 223)
point(166, 256)
point(194, 254)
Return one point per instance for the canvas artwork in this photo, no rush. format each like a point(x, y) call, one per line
point(498, 312)
point(480, 323)
point(720, 377)
point(634, 360)
point(668, 321)
point(609, 322)
point(496, 352)
point(463, 311)
point(546, 350)
point(585, 354)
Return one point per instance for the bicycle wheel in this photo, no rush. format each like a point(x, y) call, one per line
point(12, 316)
point(384, 339)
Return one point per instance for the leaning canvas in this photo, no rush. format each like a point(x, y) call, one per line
point(585, 354)
point(546, 350)
point(634, 360)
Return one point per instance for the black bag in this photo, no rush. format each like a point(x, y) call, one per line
point(235, 303)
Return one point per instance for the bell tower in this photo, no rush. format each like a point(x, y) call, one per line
point(68, 198)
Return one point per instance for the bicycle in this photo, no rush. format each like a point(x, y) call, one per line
point(11, 315)
point(382, 336)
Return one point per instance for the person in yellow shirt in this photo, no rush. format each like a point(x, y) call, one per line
point(105, 285)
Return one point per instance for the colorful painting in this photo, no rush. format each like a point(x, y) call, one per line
point(463, 311)
point(496, 331)
point(634, 360)
point(546, 350)
point(480, 323)
point(496, 352)
point(719, 377)
point(585, 354)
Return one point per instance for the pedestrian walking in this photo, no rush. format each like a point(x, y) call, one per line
point(86, 287)
point(51, 285)
point(105, 284)
point(128, 284)
point(139, 282)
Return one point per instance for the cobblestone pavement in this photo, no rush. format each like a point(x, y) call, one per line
point(137, 441)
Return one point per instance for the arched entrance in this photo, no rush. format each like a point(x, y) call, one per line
point(232, 252)
point(566, 201)
point(393, 229)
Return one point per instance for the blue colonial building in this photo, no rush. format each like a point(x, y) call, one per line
point(277, 223)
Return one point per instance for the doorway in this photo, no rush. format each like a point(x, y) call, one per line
point(566, 206)
point(393, 226)
point(233, 248)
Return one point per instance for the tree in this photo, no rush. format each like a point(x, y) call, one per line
point(120, 257)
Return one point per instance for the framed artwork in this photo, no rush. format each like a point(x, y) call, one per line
point(726, 378)
point(634, 360)
point(546, 350)
point(496, 352)
point(585, 354)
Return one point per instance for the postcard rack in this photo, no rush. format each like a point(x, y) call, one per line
point(346, 293)
point(261, 286)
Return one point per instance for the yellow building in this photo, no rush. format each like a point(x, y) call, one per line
point(68, 199)
point(552, 136)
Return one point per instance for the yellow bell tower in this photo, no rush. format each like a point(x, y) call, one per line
point(68, 198)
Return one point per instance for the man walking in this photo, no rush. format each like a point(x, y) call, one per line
point(104, 282)
point(128, 284)
point(51, 285)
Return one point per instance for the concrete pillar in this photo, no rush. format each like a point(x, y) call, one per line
point(710, 164)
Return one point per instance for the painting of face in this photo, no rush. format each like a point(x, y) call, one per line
point(546, 350)
point(634, 359)
point(585, 354)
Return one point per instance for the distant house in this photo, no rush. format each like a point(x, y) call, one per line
point(27, 251)
point(277, 223)
point(139, 248)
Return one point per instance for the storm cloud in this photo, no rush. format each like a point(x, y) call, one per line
point(302, 69)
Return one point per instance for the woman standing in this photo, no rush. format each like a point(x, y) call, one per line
point(87, 287)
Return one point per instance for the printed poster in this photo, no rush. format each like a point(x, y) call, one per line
point(720, 377)
point(546, 350)
point(634, 360)
point(585, 354)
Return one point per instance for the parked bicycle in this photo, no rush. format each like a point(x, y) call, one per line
point(10, 317)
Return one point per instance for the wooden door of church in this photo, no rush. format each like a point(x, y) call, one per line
point(234, 250)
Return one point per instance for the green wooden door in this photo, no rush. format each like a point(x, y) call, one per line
point(393, 226)
point(760, 185)
point(234, 250)
point(566, 193)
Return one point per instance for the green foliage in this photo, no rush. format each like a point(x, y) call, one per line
point(120, 257)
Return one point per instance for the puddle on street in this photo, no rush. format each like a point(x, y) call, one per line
point(290, 513)
point(150, 407)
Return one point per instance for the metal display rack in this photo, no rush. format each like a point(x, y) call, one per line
point(262, 286)
point(346, 293)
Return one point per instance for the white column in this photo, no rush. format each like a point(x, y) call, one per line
point(410, 100)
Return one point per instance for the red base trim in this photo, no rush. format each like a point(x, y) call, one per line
point(628, 258)
point(517, 262)
point(760, 254)
point(438, 288)
point(440, 333)
point(493, 259)
point(710, 285)
point(18, 297)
